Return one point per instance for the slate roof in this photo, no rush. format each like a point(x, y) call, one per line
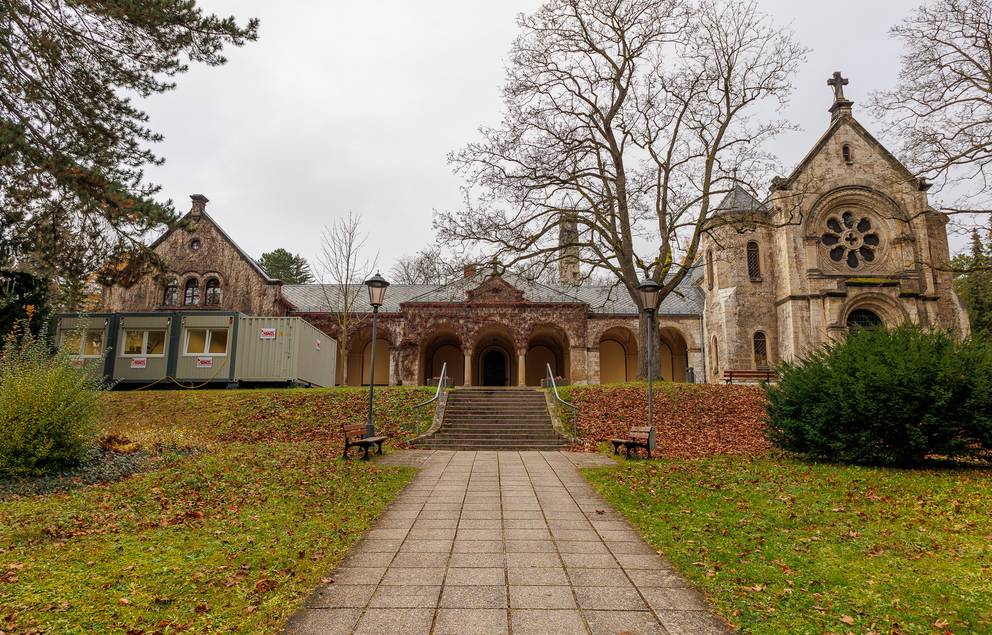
point(687, 299)
point(739, 200)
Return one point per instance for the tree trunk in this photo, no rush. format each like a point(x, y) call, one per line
point(642, 347)
point(343, 356)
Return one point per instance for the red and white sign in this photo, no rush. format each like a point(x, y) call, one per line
point(77, 362)
point(316, 344)
point(139, 362)
point(204, 362)
point(267, 333)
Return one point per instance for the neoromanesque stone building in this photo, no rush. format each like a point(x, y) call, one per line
point(848, 239)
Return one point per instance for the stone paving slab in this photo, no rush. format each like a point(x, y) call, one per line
point(503, 542)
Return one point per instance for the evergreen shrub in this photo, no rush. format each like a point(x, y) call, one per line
point(49, 408)
point(885, 397)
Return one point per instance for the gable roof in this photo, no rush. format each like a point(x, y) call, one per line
point(203, 214)
point(836, 125)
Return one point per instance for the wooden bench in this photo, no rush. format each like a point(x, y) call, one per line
point(748, 375)
point(354, 436)
point(636, 438)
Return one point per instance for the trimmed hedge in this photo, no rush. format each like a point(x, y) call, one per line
point(886, 397)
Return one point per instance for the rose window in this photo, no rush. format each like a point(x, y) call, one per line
point(851, 239)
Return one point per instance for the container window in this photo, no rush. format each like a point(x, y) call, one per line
point(71, 341)
point(206, 342)
point(142, 342)
point(93, 343)
point(218, 342)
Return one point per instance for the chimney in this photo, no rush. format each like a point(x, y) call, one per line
point(469, 270)
point(568, 260)
point(199, 204)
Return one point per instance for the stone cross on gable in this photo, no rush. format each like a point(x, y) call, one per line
point(838, 82)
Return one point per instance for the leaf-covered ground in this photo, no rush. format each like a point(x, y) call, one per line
point(231, 538)
point(693, 420)
point(787, 547)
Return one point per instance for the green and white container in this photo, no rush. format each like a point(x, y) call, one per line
point(143, 347)
point(206, 347)
point(88, 339)
point(284, 349)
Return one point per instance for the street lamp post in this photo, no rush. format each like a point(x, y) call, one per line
point(650, 291)
point(377, 293)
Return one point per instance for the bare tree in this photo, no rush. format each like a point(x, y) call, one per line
point(626, 122)
point(431, 265)
point(941, 112)
point(343, 267)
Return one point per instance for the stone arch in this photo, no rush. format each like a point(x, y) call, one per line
point(617, 355)
point(442, 345)
point(359, 357)
point(673, 354)
point(889, 310)
point(547, 344)
point(494, 355)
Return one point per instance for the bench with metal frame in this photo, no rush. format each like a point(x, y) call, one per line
point(354, 436)
point(638, 437)
point(765, 374)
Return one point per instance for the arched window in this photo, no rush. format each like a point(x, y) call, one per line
point(715, 357)
point(211, 293)
point(863, 319)
point(846, 153)
point(171, 295)
point(709, 268)
point(191, 292)
point(760, 350)
point(753, 261)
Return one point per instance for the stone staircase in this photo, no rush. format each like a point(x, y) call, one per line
point(494, 419)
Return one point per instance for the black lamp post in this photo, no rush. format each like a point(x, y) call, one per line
point(650, 291)
point(377, 293)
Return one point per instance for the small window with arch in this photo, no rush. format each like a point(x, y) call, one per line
point(753, 261)
point(191, 292)
point(760, 343)
point(846, 152)
point(709, 269)
point(212, 292)
point(170, 296)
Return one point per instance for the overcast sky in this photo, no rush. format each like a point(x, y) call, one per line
point(354, 105)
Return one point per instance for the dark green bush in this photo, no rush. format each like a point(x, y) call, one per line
point(48, 408)
point(885, 397)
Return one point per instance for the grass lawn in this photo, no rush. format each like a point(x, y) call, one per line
point(787, 547)
point(230, 538)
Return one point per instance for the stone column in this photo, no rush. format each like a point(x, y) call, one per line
point(394, 366)
point(521, 368)
point(468, 367)
point(592, 366)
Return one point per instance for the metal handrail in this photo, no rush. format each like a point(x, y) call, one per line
point(554, 390)
point(440, 383)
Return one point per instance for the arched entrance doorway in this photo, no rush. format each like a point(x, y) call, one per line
point(673, 356)
point(547, 346)
point(617, 356)
point(443, 348)
point(494, 358)
point(494, 367)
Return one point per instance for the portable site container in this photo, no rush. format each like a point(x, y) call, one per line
point(284, 349)
point(88, 339)
point(143, 347)
point(206, 348)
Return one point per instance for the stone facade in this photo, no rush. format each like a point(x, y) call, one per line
point(208, 271)
point(848, 238)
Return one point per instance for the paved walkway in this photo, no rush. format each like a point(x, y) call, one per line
point(503, 542)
